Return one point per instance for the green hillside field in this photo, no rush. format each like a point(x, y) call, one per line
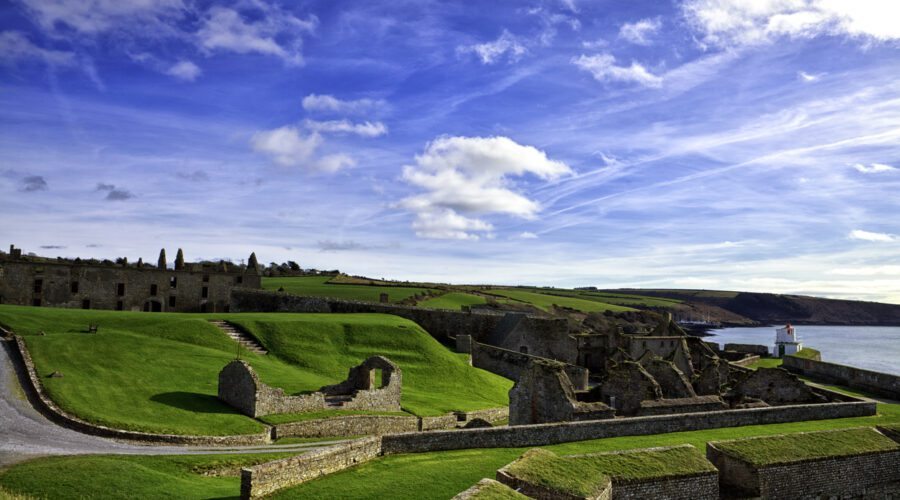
point(318, 286)
point(544, 301)
point(454, 301)
point(158, 372)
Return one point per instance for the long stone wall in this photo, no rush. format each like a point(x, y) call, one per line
point(351, 425)
point(48, 408)
point(269, 477)
point(547, 434)
point(882, 384)
point(510, 364)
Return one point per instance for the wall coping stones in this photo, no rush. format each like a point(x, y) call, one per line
point(46, 406)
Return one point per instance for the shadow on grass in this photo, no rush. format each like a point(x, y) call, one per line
point(192, 401)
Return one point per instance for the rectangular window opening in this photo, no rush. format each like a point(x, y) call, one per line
point(38, 285)
point(120, 306)
point(206, 278)
point(74, 287)
point(173, 282)
point(153, 290)
point(120, 289)
point(204, 293)
point(172, 301)
point(86, 304)
point(239, 280)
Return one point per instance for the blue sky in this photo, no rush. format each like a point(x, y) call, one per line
point(692, 143)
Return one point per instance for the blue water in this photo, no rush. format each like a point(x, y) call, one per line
point(871, 347)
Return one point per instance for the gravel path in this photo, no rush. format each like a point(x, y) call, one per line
point(25, 433)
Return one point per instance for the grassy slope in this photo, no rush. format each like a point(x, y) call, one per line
point(544, 301)
point(781, 449)
point(317, 286)
point(104, 476)
point(497, 491)
point(621, 299)
point(454, 301)
point(158, 372)
point(550, 470)
point(435, 380)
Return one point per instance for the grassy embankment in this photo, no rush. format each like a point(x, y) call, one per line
point(544, 301)
point(453, 301)
point(318, 286)
point(159, 372)
point(807, 446)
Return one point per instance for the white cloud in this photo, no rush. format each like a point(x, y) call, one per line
point(448, 225)
point(603, 68)
point(96, 16)
point(330, 104)
point(640, 32)
point(287, 146)
point(366, 129)
point(470, 175)
point(594, 44)
point(15, 46)
point(333, 163)
point(803, 76)
point(492, 52)
point(874, 168)
point(859, 234)
point(184, 70)
point(274, 32)
point(739, 22)
point(527, 235)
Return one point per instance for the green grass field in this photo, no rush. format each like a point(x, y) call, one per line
point(158, 372)
point(318, 286)
point(146, 477)
point(453, 301)
point(621, 299)
point(544, 301)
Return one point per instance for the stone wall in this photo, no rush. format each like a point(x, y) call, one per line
point(83, 285)
point(864, 475)
point(703, 486)
point(346, 426)
point(546, 434)
point(682, 405)
point(759, 350)
point(510, 364)
point(776, 386)
point(746, 361)
point(240, 387)
point(882, 384)
point(269, 477)
point(42, 402)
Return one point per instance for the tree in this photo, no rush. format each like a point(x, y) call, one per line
point(293, 265)
point(252, 263)
point(161, 263)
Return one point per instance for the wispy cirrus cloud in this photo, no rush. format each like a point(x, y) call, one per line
point(640, 32)
point(265, 29)
point(325, 103)
point(874, 168)
point(604, 69)
point(492, 52)
point(365, 129)
point(16, 47)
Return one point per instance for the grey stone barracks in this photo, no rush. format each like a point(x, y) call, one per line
point(28, 280)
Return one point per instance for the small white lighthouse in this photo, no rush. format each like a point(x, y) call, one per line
point(786, 341)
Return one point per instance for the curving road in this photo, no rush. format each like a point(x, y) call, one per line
point(25, 433)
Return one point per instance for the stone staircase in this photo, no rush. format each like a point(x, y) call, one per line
point(239, 336)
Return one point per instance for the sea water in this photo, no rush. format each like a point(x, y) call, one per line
point(874, 348)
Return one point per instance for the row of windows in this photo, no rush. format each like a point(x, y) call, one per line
point(86, 304)
point(120, 288)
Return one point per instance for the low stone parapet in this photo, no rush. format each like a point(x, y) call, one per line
point(269, 477)
point(882, 384)
point(346, 426)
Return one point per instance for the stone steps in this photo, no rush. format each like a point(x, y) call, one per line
point(239, 336)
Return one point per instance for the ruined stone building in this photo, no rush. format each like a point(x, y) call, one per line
point(88, 284)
